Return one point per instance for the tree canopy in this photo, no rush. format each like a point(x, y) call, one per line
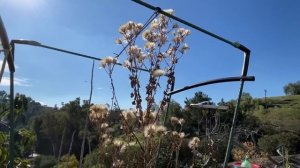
point(292, 88)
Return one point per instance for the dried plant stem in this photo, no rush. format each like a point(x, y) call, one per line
point(114, 100)
point(136, 138)
point(87, 118)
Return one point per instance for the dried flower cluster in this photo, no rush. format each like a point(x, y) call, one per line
point(177, 121)
point(98, 113)
point(129, 31)
point(194, 143)
point(164, 45)
point(108, 61)
point(154, 130)
point(251, 152)
point(159, 55)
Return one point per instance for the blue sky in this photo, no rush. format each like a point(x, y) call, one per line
point(270, 28)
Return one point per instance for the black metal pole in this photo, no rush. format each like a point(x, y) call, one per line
point(37, 44)
point(11, 122)
point(229, 145)
point(6, 47)
point(10, 62)
point(234, 44)
point(11, 117)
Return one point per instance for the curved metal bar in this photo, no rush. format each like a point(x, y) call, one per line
point(209, 82)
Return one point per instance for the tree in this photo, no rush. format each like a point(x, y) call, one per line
point(292, 88)
point(174, 110)
point(198, 97)
point(247, 103)
point(194, 116)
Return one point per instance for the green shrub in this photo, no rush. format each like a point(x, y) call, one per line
point(268, 143)
point(44, 161)
point(92, 160)
point(68, 161)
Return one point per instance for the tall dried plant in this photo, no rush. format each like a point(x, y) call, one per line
point(164, 45)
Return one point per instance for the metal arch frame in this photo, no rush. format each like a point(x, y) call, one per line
point(241, 78)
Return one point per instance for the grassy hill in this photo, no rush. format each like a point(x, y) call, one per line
point(283, 112)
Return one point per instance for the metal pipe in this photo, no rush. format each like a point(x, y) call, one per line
point(246, 63)
point(3, 65)
point(228, 149)
point(6, 47)
point(220, 80)
point(37, 44)
point(11, 116)
point(158, 9)
point(10, 62)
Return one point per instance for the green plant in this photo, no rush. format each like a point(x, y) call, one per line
point(44, 161)
point(268, 143)
point(91, 159)
point(3, 150)
point(68, 161)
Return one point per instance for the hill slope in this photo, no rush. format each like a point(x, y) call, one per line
point(282, 112)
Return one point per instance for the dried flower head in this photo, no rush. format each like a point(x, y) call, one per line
point(125, 146)
point(158, 72)
point(118, 143)
point(129, 117)
point(150, 118)
point(174, 121)
point(107, 141)
point(118, 41)
point(184, 48)
point(183, 32)
point(150, 46)
point(162, 39)
point(194, 143)
point(104, 136)
point(149, 35)
point(153, 129)
point(134, 50)
point(98, 113)
point(181, 121)
point(130, 29)
point(104, 126)
point(108, 61)
point(177, 136)
point(118, 163)
point(169, 11)
point(181, 135)
point(171, 51)
point(126, 64)
point(154, 24)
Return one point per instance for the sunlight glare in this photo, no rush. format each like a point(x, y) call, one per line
point(26, 4)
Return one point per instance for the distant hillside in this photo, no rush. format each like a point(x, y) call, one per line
point(283, 112)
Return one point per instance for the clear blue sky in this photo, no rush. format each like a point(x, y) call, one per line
point(270, 28)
